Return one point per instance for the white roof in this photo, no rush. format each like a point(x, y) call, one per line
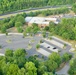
point(27, 19)
point(39, 20)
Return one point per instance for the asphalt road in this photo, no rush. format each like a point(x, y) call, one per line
point(64, 70)
point(2, 16)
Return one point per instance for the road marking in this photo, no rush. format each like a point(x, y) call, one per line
point(44, 52)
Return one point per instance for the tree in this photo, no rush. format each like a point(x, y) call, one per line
point(28, 29)
point(46, 28)
point(35, 30)
point(12, 69)
point(0, 46)
point(20, 29)
point(34, 25)
point(42, 69)
point(66, 57)
point(44, 34)
point(74, 7)
point(30, 68)
point(18, 24)
point(34, 60)
point(72, 70)
point(6, 33)
point(20, 19)
point(21, 71)
point(51, 65)
point(37, 46)
point(24, 34)
point(56, 58)
point(9, 55)
point(19, 57)
point(3, 29)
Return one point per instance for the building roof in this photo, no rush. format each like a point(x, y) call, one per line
point(40, 20)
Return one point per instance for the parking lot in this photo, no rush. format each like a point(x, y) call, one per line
point(29, 44)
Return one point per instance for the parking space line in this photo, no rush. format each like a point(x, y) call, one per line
point(44, 52)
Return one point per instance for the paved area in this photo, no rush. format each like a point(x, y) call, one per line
point(44, 52)
point(15, 41)
point(49, 46)
point(64, 70)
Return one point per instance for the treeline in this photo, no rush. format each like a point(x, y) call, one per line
point(66, 28)
point(19, 20)
point(72, 70)
point(16, 63)
point(9, 6)
point(74, 8)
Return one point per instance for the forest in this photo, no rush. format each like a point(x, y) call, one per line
point(13, 5)
point(66, 28)
point(15, 62)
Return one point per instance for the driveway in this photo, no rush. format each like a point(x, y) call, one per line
point(64, 70)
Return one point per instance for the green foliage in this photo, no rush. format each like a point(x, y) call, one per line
point(44, 34)
point(46, 28)
point(72, 70)
point(9, 6)
point(66, 57)
point(24, 34)
point(74, 7)
point(0, 46)
point(55, 57)
point(9, 53)
point(55, 11)
point(30, 68)
point(48, 73)
point(51, 66)
point(20, 19)
point(16, 63)
point(18, 24)
point(3, 29)
point(34, 60)
point(41, 41)
point(34, 25)
point(20, 29)
point(6, 33)
point(66, 28)
point(37, 46)
point(28, 29)
point(42, 69)
point(12, 69)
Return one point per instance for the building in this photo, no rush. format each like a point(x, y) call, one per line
point(41, 21)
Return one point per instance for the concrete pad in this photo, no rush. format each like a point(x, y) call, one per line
point(51, 47)
point(56, 43)
point(44, 52)
point(2, 34)
point(2, 54)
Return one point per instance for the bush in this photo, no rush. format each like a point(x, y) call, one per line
point(20, 29)
point(0, 46)
point(3, 29)
point(41, 41)
point(37, 46)
point(18, 24)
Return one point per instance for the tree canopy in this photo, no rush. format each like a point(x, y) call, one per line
point(9, 6)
